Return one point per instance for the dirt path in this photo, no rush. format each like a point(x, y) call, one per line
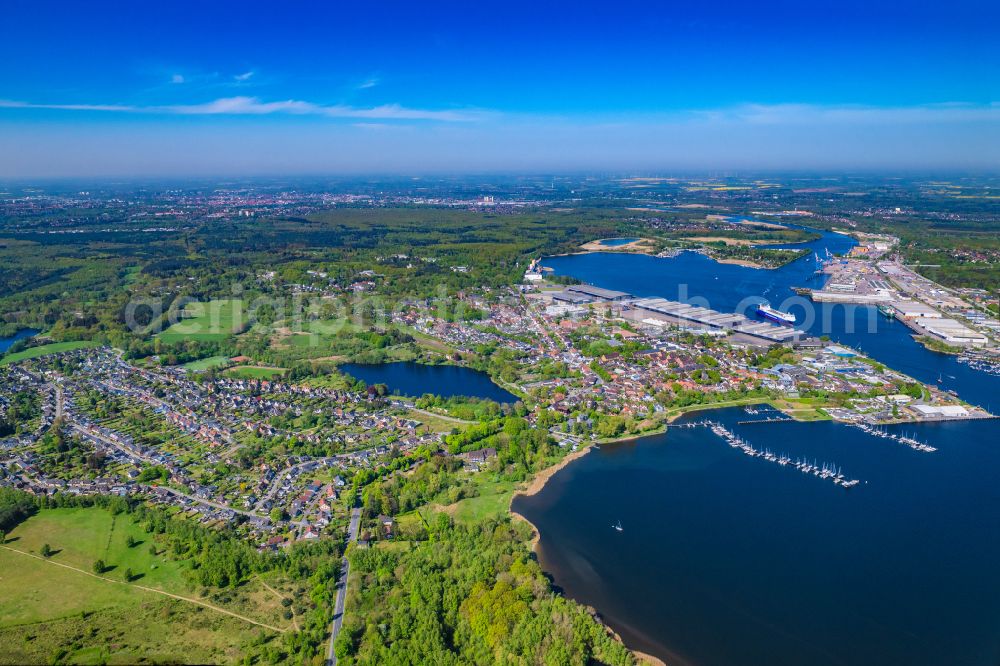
point(147, 589)
point(295, 622)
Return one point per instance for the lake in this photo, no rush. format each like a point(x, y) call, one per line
point(415, 379)
point(726, 559)
point(617, 242)
point(6, 343)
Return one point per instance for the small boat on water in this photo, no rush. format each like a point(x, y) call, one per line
point(766, 311)
point(618, 526)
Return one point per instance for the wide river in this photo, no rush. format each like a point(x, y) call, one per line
point(726, 559)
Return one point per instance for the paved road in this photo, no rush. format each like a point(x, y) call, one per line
point(338, 606)
point(59, 402)
point(279, 479)
point(218, 505)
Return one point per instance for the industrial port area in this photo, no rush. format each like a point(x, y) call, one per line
point(871, 275)
point(662, 313)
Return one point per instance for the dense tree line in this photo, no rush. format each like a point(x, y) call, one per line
point(15, 507)
point(467, 595)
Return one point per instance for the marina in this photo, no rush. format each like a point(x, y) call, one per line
point(911, 442)
point(822, 470)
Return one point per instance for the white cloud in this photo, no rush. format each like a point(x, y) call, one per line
point(245, 76)
point(369, 83)
point(177, 78)
point(254, 106)
point(14, 104)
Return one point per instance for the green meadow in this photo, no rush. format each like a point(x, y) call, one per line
point(211, 321)
point(43, 350)
point(254, 372)
point(56, 609)
point(203, 364)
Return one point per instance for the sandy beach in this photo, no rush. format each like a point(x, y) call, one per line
point(638, 245)
point(542, 477)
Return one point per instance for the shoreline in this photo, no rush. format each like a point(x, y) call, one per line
point(533, 488)
point(536, 485)
point(746, 263)
point(541, 478)
point(639, 245)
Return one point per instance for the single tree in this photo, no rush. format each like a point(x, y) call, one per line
point(130, 541)
point(129, 575)
point(46, 550)
point(99, 566)
point(152, 550)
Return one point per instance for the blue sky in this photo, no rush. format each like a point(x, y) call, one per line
point(145, 88)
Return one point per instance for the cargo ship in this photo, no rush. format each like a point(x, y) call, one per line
point(766, 311)
point(887, 311)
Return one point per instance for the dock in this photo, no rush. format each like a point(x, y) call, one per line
point(826, 471)
point(686, 315)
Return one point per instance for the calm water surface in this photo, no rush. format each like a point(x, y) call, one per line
point(5, 343)
point(726, 559)
point(616, 242)
point(415, 379)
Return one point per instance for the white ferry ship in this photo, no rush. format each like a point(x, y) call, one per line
point(766, 311)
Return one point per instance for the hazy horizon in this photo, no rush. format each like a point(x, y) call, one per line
point(189, 90)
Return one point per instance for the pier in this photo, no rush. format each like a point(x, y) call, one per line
point(826, 471)
point(911, 442)
point(769, 419)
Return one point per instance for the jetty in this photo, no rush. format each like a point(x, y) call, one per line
point(911, 442)
point(826, 471)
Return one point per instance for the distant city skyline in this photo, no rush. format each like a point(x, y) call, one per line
point(118, 89)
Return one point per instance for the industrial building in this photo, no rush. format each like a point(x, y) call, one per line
point(688, 316)
point(597, 293)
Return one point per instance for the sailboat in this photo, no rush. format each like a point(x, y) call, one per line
point(618, 526)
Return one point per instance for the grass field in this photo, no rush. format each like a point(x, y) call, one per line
point(152, 630)
point(42, 350)
point(493, 500)
point(83, 535)
point(214, 320)
point(333, 326)
point(203, 364)
point(55, 605)
point(254, 372)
